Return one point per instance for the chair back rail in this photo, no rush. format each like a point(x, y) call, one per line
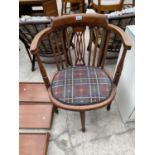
point(66, 26)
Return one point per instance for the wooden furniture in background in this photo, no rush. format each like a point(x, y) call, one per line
point(128, 4)
point(121, 21)
point(35, 108)
point(33, 143)
point(90, 62)
point(89, 2)
point(105, 5)
point(115, 43)
point(34, 115)
point(33, 92)
point(72, 5)
point(49, 7)
point(28, 30)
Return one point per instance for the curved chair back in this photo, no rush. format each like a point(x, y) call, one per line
point(79, 27)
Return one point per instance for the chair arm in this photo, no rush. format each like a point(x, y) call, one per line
point(127, 46)
point(122, 34)
point(36, 40)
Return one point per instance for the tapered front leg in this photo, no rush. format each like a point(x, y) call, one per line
point(82, 116)
point(109, 106)
point(56, 110)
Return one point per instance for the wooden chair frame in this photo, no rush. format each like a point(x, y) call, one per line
point(101, 8)
point(49, 7)
point(122, 22)
point(73, 2)
point(91, 20)
point(115, 43)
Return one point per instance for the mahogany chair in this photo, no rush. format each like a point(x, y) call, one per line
point(81, 82)
point(107, 5)
point(72, 5)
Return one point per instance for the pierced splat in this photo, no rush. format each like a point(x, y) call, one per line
point(79, 43)
point(63, 33)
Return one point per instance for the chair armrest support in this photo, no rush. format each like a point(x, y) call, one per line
point(34, 51)
point(36, 40)
point(127, 46)
point(123, 36)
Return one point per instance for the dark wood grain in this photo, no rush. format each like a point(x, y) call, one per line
point(33, 143)
point(34, 115)
point(23, 2)
point(49, 6)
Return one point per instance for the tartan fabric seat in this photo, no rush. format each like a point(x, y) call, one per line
point(81, 86)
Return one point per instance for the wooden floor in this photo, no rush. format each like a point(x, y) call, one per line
point(33, 92)
point(33, 144)
point(34, 115)
point(35, 112)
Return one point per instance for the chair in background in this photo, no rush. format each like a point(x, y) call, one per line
point(102, 6)
point(76, 6)
point(70, 7)
point(81, 82)
point(120, 19)
point(28, 28)
point(129, 4)
point(42, 7)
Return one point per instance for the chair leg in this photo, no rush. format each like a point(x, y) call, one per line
point(33, 63)
point(55, 109)
point(82, 116)
point(109, 107)
point(28, 54)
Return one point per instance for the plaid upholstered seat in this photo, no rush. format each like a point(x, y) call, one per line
point(81, 86)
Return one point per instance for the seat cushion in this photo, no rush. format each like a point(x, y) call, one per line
point(81, 86)
point(107, 2)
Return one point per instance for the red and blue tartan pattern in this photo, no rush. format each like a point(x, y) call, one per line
point(81, 86)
